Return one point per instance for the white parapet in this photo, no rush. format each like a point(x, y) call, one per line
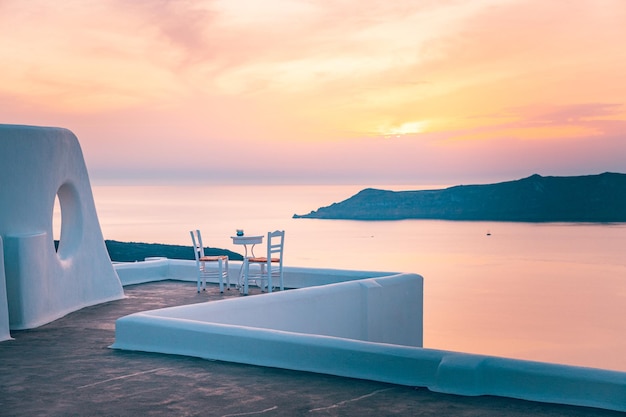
point(366, 325)
point(38, 164)
point(386, 310)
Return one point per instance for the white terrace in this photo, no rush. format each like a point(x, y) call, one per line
point(350, 323)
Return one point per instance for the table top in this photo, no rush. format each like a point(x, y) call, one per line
point(247, 240)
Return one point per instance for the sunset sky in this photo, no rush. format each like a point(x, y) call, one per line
point(328, 91)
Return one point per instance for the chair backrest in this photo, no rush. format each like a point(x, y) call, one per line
point(275, 245)
point(198, 249)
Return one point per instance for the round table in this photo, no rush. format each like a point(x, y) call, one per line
point(245, 241)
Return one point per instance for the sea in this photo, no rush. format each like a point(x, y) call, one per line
point(552, 292)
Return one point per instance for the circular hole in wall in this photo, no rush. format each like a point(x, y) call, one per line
point(56, 222)
point(69, 220)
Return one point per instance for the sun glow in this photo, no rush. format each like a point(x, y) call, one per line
point(408, 128)
point(146, 86)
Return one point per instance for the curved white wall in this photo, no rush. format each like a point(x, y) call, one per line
point(384, 310)
point(357, 329)
point(36, 165)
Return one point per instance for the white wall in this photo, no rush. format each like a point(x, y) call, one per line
point(4, 305)
point(385, 310)
point(156, 269)
point(36, 165)
point(131, 273)
point(322, 329)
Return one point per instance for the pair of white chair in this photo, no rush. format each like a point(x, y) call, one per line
point(270, 274)
point(270, 266)
point(205, 264)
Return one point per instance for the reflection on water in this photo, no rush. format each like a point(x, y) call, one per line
point(547, 292)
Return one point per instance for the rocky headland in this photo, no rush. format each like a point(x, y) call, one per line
point(589, 198)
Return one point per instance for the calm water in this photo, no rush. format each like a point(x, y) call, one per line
point(547, 292)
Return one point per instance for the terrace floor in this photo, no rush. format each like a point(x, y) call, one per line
point(65, 368)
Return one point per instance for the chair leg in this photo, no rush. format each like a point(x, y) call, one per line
point(246, 271)
point(262, 277)
point(227, 275)
point(220, 269)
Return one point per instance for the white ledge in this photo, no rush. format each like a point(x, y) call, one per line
point(368, 325)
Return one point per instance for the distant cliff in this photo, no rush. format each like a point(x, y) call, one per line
point(589, 198)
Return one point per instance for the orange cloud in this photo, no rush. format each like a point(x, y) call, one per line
point(332, 78)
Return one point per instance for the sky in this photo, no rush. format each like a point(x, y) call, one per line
point(326, 91)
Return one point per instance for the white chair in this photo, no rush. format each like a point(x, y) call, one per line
point(270, 266)
point(205, 271)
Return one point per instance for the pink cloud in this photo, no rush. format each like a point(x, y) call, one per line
point(503, 88)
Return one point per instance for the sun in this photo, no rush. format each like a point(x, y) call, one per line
point(408, 128)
